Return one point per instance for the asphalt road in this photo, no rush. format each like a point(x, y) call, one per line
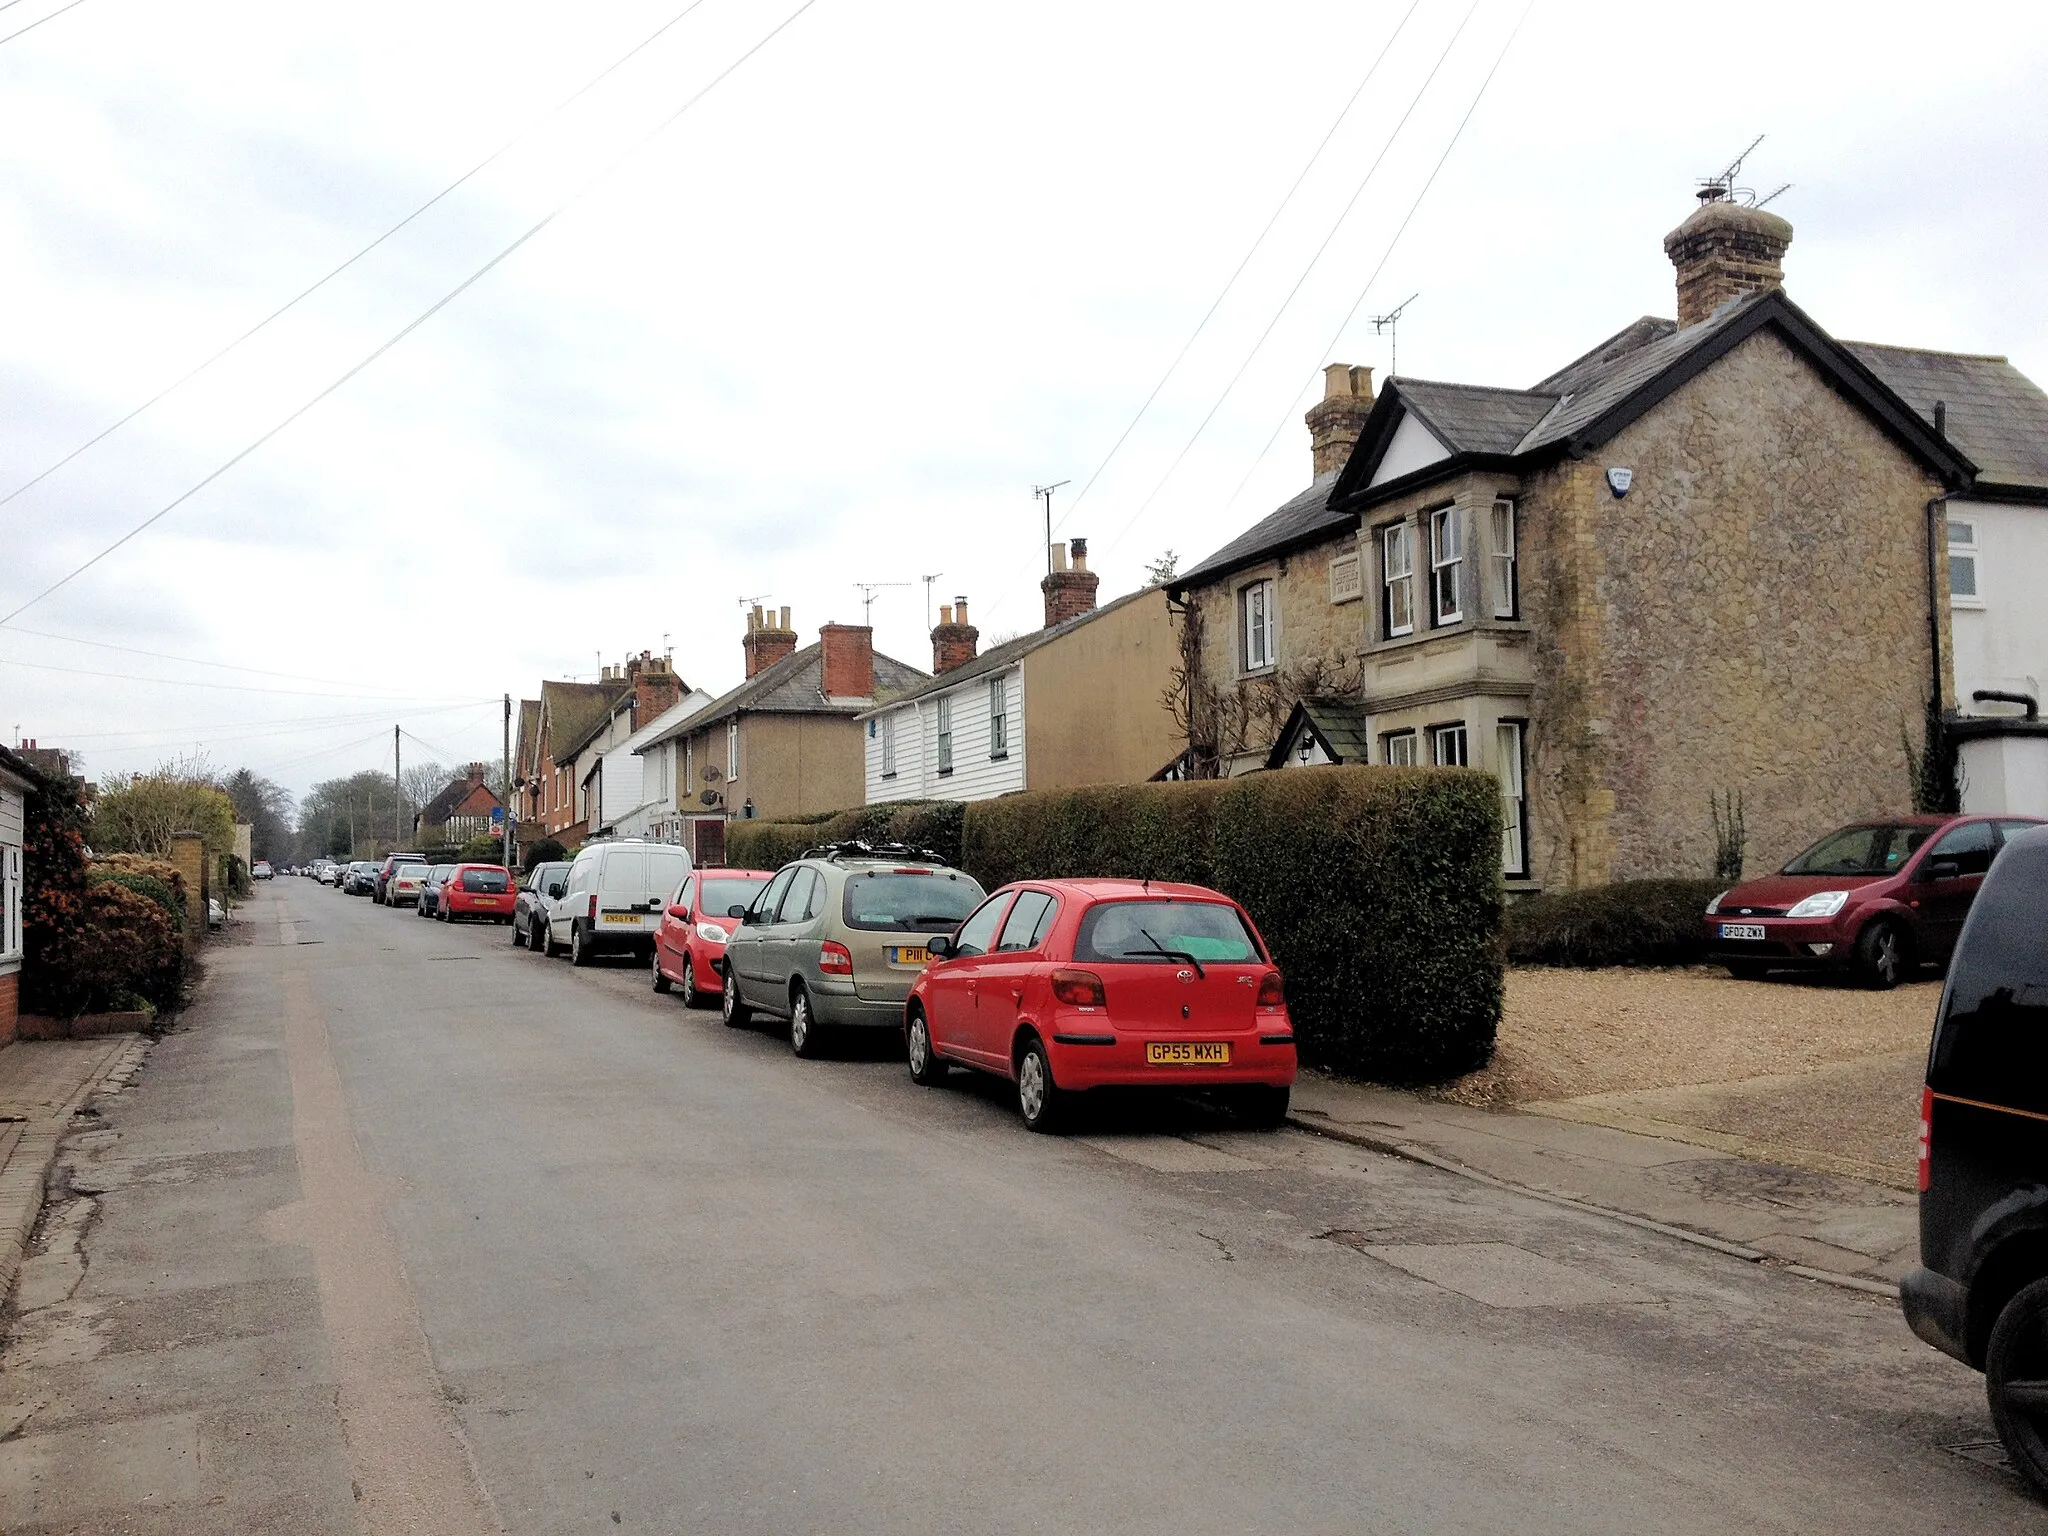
point(530, 1245)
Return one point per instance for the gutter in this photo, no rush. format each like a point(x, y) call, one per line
point(1937, 507)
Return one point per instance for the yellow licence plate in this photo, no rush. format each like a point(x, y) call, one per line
point(1187, 1053)
point(909, 954)
point(622, 917)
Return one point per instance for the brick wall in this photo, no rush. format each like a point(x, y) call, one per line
point(10, 1005)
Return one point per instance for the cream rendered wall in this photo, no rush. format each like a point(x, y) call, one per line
point(2001, 636)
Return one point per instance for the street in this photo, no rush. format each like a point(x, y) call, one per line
point(405, 1229)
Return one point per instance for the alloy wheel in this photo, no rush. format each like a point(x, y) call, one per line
point(1033, 1083)
point(802, 1036)
point(920, 1047)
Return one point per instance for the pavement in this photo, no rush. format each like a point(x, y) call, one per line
point(402, 1229)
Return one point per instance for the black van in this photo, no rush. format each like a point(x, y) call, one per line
point(1981, 1293)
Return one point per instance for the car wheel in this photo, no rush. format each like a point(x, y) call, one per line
point(1882, 955)
point(806, 1034)
point(548, 946)
point(660, 981)
point(1262, 1108)
point(1040, 1100)
point(1748, 970)
point(518, 934)
point(927, 1066)
point(579, 952)
point(2016, 1381)
point(735, 1012)
point(688, 984)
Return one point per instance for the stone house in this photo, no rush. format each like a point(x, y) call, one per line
point(786, 742)
point(1031, 713)
point(17, 782)
point(1707, 557)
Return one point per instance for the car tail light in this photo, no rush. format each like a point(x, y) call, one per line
point(1925, 1140)
point(1272, 991)
point(1079, 989)
point(834, 959)
point(592, 914)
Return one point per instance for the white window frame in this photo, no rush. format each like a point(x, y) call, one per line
point(11, 895)
point(888, 734)
point(1505, 525)
point(1449, 747)
point(942, 733)
point(1963, 555)
point(998, 717)
point(1346, 583)
point(1397, 579)
point(732, 749)
point(1446, 565)
point(1401, 749)
point(1255, 625)
point(1510, 768)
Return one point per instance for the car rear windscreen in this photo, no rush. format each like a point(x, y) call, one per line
point(721, 896)
point(1163, 931)
point(486, 882)
point(896, 901)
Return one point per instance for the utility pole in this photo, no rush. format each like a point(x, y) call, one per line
point(1044, 494)
point(398, 805)
point(506, 804)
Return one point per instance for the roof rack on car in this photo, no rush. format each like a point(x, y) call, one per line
point(859, 850)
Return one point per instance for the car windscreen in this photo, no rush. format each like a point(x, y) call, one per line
point(486, 882)
point(1876, 849)
point(721, 896)
point(909, 900)
point(1163, 931)
point(543, 874)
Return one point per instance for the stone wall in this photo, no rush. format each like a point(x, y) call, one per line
point(1751, 617)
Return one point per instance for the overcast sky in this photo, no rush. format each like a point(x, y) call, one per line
point(832, 324)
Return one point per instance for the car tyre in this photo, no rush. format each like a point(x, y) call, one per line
point(660, 981)
point(732, 1009)
point(518, 933)
point(1262, 1108)
point(806, 1034)
point(2016, 1381)
point(1883, 955)
point(927, 1066)
point(548, 946)
point(688, 985)
point(1040, 1100)
point(579, 952)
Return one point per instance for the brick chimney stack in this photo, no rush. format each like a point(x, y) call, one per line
point(849, 671)
point(955, 642)
point(769, 638)
point(1335, 421)
point(1725, 250)
point(1069, 593)
point(655, 687)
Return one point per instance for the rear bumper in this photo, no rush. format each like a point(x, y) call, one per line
point(1087, 1055)
point(844, 1010)
point(1936, 1308)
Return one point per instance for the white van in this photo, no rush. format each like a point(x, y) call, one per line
point(612, 899)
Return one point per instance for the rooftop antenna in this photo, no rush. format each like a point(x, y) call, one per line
point(1044, 494)
point(1775, 195)
point(1389, 325)
point(868, 589)
point(1721, 187)
point(928, 580)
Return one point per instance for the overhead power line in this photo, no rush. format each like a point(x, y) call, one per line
point(196, 661)
point(421, 319)
point(1231, 281)
point(1477, 97)
point(10, 37)
point(179, 682)
point(1258, 345)
point(306, 293)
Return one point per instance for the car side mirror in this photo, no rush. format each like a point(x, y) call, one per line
point(1943, 869)
point(680, 914)
point(738, 910)
point(555, 890)
point(939, 947)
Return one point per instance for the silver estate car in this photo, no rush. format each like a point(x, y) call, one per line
point(838, 936)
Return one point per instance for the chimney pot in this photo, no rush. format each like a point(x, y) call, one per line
point(960, 609)
point(1059, 557)
point(1724, 251)
point(767, 642)
point(1069, 593)
point(1335, 421)
point(945, 614)
point(1079, 550)
point(955, 642)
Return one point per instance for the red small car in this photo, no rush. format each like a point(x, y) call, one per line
point(477, 890)
point(1879, 897)
point(690, 943)
point(1068, 985)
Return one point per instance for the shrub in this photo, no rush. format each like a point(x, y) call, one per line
point(482, 850)
point(930, 824)
point(1631, 922)
point(546, 851)
point(123, 947)
point(157, 890)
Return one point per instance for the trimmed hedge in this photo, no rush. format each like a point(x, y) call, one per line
point(1631, 922)
point(150, 886)
point(932, 824)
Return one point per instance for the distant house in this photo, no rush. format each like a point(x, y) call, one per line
point(786, 742)
point(461, 811)
point(566, 713)
point(602, 767)
point(17, 782)
point(1082, 700)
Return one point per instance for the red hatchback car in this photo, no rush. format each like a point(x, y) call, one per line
point(1068, 985)
point(690, 942)
point(477, 890)
point(1879, 897)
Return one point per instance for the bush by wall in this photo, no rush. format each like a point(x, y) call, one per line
point(1631, 922)
point(931, 824)
point(546, 851)
point(153, 887)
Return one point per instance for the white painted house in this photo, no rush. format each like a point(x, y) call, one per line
point(16, 784)
point(643, 776)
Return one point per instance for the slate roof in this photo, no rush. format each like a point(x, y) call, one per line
point(1995, 413)
point(574, 712)
point(997, 657)
point(1575, 375)
point(1474, 418)
point(1341, 727)
point(794, 686)
point(1302, 520)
